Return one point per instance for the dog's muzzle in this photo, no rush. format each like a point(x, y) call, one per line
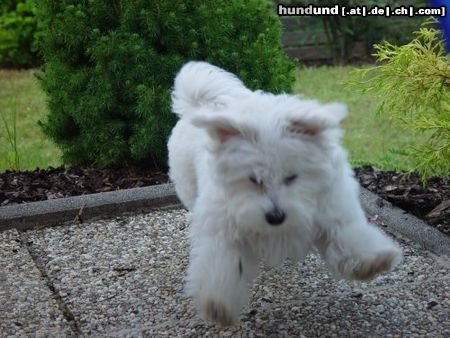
point(275, 217)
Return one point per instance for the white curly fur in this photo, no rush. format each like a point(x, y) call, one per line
point(265, 178)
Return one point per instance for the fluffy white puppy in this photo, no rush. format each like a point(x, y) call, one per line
point(265, 178)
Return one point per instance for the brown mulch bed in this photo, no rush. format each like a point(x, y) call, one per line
point(431, 203)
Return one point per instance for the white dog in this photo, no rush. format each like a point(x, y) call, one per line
point(265, 178)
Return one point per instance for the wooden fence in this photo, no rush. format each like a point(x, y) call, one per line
point(305, 38)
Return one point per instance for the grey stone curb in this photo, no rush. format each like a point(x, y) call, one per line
point(399, 221)
point(57, 211)
point(54, 212)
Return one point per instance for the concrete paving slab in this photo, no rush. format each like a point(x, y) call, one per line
point(28, 307)
point(124, 277)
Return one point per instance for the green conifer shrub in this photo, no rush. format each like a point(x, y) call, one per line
point(110, 65)
point(413, 84)
point(18, 30)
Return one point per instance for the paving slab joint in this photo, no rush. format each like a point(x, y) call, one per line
point(62, 306)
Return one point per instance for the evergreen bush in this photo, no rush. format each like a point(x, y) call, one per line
point(18, 28)
point(110, 65)
point(413, 85)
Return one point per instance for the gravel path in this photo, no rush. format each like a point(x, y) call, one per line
point(124, 277)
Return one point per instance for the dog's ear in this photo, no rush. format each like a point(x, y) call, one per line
point(222, 129)
point(317, 120)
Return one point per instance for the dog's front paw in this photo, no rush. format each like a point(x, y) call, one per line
point(218, 313)
point(384, 261)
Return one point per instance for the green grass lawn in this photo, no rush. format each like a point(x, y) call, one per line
point(368, 138)
point(20, 93)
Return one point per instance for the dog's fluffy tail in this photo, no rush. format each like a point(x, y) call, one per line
point(202, 84)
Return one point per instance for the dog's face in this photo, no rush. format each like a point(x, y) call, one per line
point(272, 156)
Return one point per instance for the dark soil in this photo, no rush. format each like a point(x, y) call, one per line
point(40, 184)
point(431, 203)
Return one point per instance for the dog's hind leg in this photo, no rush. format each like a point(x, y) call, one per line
point(218, 278)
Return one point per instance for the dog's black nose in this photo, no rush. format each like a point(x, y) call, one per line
point(275, 217)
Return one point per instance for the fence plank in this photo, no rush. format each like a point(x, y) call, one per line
point(310, 53)
point(303, 38)
point(292, 24)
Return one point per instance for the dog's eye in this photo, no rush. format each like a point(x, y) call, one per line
point(290, 179)
point(254, 180)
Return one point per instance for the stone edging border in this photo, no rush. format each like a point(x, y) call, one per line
point(84, 207)
point(406, 224)
point(54, 212)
